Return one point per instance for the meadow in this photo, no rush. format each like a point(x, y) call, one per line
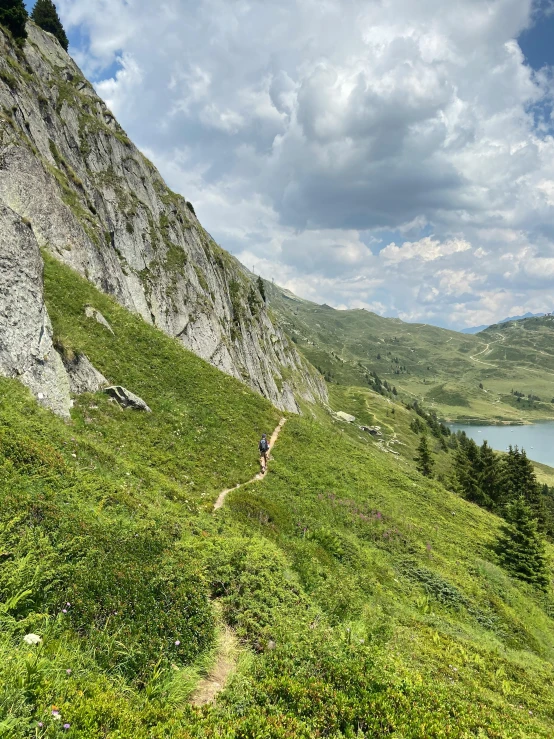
point(463, 377)
point(366, 599)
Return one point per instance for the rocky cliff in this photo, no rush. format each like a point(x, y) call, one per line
point(87, 195)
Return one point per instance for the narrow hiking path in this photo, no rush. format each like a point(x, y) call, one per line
point(225, 665)
point(487, 347)
point(260, 476)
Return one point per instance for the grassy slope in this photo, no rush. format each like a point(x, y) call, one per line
point(203, 424)
point(378, 588)
point(443, 368)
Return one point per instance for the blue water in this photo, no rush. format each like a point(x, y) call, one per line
point(537, 439)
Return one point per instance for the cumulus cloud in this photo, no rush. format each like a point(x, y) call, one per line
point(426, 249)
point(364, 154)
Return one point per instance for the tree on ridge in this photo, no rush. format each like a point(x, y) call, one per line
point(13, 16)
point(46, 16)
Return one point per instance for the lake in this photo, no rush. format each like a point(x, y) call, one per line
point(537, 439)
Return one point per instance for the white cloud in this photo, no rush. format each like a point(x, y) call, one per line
point(309, 135)
point(427, 249)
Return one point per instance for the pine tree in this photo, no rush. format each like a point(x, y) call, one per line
point(46, 16)
point(520, 546)
point(488, 477)
point(518, 479)
point(13, 16)
point(261, 289)
point(424, 460)
point(467, 467)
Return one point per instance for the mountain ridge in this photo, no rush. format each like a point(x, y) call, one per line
point(96, 203)
point(464, 377)
point(484, 326)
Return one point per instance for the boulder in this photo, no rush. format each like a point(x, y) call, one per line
point(83, 376)
point(342, 416)
point(127, 399)
point(373, 430)
point(91, 312)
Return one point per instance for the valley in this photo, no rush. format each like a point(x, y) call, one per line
point(465, 378)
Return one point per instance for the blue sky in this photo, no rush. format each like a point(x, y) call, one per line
point(536, 43)
point(394, 156)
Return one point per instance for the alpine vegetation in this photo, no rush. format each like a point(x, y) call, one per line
point(380, 577)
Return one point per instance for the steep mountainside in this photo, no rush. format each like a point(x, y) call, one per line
point(96, 203)
point(365, 599)
point(462, 376)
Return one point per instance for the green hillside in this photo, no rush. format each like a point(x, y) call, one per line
point(463, 377)
point(366, 600)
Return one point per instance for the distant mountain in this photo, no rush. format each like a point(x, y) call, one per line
point(477, 329)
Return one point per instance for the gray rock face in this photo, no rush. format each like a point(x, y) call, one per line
point(91, 312)
point(96, 203)
point(26, 349)
point(83, 376)
point(126, 399)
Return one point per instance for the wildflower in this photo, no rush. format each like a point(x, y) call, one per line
point(64, 610)
point(67, 726)
point(56, 715)
point(68, 605)
point(40, 724)
point(32, 639)
point(177, 643)
point(68, 672)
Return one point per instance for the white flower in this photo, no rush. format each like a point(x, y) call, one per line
point(32, 639)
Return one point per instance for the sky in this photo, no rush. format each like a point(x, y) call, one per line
point(379, 154)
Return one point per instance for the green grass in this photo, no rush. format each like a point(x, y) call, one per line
point(204, 424)
point(367, 599)
point(440, 368)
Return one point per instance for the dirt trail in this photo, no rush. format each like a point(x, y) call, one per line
point(225, 665)
point(260, 476)
point(489, 364)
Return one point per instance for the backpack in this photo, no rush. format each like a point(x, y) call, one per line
point(264, 446)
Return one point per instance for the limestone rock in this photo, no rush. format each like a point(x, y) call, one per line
point(83, 376)
point(342, 416)
point(126, 399)
point(97, 204)
point(91, 312)
point(26, 349)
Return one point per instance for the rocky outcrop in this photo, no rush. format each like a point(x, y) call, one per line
point(26, 348)
point(96, 203)
point(83, 375)
point(91, 312)
point(127, 399)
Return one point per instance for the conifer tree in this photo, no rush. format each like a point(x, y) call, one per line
point(488, 478)
point(518, 478)
point(424, 460)
point(46, 16)
point(13, 16)
point(467, 468)
point(521, 547)
point(261, 288)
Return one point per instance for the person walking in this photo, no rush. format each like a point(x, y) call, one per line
point(263, 446)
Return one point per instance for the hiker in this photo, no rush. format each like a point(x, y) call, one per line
point(263, 446)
